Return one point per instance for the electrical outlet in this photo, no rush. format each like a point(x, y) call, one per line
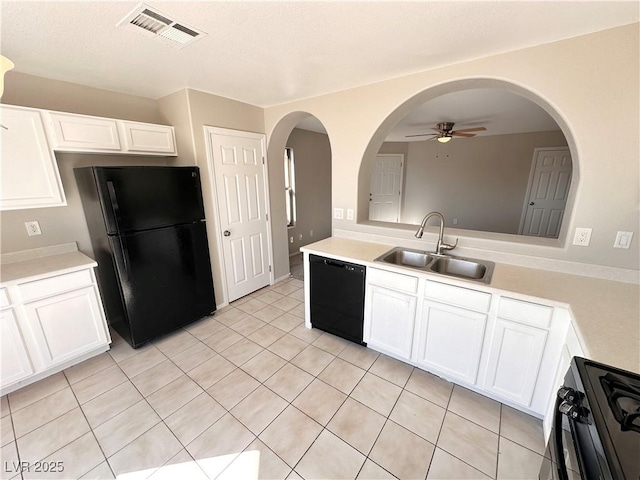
point(338, 213)
point(300, 236)
point(290, 239)
point(33, 228)
point(455, 221)
point(349, 213)
point(582, 237)
point(311, 233)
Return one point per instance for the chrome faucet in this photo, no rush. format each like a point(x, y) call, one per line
point(440, 246)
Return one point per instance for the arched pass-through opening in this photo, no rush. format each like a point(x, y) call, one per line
point(310, 149)
point(379, 137)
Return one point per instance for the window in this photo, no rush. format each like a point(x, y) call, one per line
point(290, 187)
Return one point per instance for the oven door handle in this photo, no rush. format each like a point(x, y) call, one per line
point(558, 444)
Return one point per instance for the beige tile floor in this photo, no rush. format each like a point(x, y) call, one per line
point(251, 393)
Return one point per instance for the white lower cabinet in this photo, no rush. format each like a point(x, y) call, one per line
point(514, 360)
point(450, 341)
point(66, 326)
point(506, 348)
point(53, 323)
point(14, 360)
point(390, 312)
point(391, 321)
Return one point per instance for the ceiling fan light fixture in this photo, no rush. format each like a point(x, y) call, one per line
point(444, 139)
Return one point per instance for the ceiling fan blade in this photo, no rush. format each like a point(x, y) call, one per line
point(421, 135)
point(462, 134)
point(475, 129)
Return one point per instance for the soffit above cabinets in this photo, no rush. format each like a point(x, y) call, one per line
point(269, 53)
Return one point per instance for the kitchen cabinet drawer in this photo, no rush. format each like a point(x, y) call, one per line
point(462, 297)
point(394, 281)
point(81, 132)
point(54, 285)
point(4, 298)
point(525, 312)
point(145, 137)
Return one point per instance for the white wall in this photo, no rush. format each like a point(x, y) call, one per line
point(190, 111)
point(588, 84)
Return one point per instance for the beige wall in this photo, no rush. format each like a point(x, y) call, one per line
point(190, 111)
point(587, 84)
point(479, 181)
point(67, 224)
point(312, 160)
point(38, 92)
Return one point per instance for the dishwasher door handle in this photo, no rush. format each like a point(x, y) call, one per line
point(332, 263)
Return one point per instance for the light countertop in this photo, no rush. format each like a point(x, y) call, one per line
point(36, 264)
point(606, 314)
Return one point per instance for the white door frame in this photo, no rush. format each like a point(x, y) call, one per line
point(208, 131)
point(532, 173)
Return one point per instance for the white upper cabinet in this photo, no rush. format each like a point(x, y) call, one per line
point(29, 173)
point(144, 137)
point(83, 133)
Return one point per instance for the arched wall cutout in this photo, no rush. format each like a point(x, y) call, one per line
point(430, 93)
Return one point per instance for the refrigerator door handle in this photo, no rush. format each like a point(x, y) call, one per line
point(121, 258)
point(114, 201)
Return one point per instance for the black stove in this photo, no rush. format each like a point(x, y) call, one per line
point(597, 423)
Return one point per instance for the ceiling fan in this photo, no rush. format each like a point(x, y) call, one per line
point(446, 132)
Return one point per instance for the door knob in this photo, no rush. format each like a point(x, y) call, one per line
point(226, 233)
point(532, 203)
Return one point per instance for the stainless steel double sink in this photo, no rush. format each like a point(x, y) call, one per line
point(449, 265)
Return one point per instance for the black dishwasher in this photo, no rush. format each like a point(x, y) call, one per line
point(337, 297)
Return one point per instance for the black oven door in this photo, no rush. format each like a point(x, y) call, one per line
point(574, 443)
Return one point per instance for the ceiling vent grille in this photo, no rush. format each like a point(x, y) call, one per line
point(154, 24)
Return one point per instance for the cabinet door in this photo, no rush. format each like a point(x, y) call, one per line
point(514, 360)
point(451, 341)
point(67, 325)
point(145, 137)
point(28, 171)
point(83, 133)
point(390, 317)
point(14, 364)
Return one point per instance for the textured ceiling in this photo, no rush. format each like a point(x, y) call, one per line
point(267, 53)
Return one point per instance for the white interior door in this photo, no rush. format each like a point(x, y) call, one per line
point(547, 193)
point(241, 193)
point(386, 188)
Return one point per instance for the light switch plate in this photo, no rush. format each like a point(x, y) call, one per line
point(623, 240)
point(338, 213)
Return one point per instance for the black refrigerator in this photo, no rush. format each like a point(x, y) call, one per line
point(148, 232)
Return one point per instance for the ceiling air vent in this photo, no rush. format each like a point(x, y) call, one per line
point(157, 25)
